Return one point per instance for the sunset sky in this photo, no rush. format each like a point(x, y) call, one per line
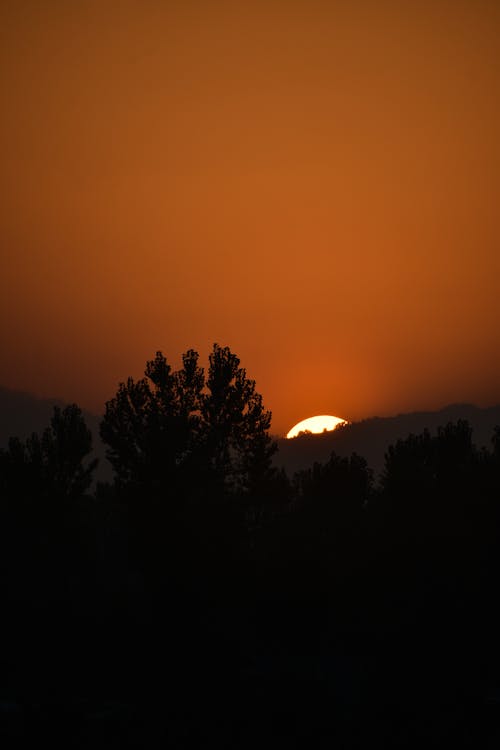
point(314, 184)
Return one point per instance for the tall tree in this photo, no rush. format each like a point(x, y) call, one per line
point(430, 482)
point(332, 495)
point(235, 426)
point(55, 463)
point(150, 425)
point(172, 429)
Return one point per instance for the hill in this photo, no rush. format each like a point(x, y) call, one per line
point(370, 438)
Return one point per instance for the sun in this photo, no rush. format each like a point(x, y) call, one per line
point(318, 424)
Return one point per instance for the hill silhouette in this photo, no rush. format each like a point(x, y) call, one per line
point(371, 437)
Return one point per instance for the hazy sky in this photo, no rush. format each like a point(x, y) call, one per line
point(314, 184)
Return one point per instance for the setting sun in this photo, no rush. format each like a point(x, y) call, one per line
point(322, 423)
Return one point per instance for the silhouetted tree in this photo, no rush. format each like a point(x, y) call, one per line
point(330, 499)
point(55, 464)
point(429, 481)
point(234, 426)
point(191, 454)
point(45, 535)
point(151, 426)
point(337, 489)
point(171, 428)
point(409, 465)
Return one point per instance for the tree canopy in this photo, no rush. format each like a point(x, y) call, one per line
point(172, 428)
point(55, 463)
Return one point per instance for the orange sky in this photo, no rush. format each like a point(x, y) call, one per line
point(314, 184)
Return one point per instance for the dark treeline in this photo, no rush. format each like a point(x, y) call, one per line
point(204, 597)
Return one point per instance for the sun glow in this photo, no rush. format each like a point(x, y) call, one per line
point(322, 423)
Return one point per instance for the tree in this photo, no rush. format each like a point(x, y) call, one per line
point(335, 492)
point(430, 483)
point(235, 426)
point(172, 430)
point(54, 464)
point(150, 425)
point(42, 481)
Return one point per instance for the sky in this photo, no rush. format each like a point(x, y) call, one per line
point(314, 184)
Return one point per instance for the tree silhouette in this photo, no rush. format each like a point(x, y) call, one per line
point(335, 491)
point(44, 531)
point(54, 464)
point(329, 503)
point(234, 426)
point(429, 481)
point(151, 426)
point(171, 429)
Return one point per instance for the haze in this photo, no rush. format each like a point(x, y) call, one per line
point(313, 184)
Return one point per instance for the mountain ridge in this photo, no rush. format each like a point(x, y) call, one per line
point(372, 436)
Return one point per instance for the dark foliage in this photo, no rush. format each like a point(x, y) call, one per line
point(53, 464)
point(205, 599)
point(175, 429)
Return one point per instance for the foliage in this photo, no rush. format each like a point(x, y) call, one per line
point(179, 428)
point(337, 490)
point(54, 464)
point(371, 592)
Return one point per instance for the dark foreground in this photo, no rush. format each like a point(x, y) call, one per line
point(176, 608)
point(368, 646)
